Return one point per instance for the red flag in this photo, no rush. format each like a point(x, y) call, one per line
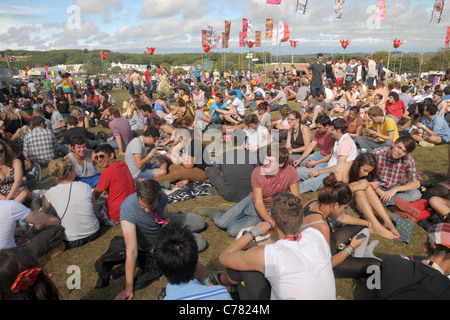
point(244, 27)
point(241, 40)
point(447, 40)
point(273, 1)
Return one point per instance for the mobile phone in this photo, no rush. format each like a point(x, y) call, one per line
point(360, 236)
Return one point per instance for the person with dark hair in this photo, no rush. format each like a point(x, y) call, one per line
point(279, 100)
point(315, 107)
point(12, 186)
point(382, 127)
point(121, 130)
point(274, 175)
point(394, 164)
point(139, 161)
point(344, 150)
point(322, 139)
point(115, 181)
point(316, 73)
point(142, 215)
point(39, 145)
point(419, 278)
point(434, 129)
point(355, 122)
point(298, 137)
point(350, 254)
point(83, 160)
point(291, 265)
point(360, 175)
point(395, 108)
point(176, 255)
point(23, 277)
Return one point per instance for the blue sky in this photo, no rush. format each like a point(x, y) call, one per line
point(174, 26)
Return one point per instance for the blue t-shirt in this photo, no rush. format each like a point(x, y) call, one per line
point(349, 77)
point(238, 93)
point(146, 226)
point(214, 106)
point(193, 290)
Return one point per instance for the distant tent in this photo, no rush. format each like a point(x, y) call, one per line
point(6, 76)
point(34, 72)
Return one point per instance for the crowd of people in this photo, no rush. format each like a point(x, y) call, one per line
point(340, 132)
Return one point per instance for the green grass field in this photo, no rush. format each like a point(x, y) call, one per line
point(432, 164)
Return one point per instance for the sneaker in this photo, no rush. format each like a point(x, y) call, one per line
point(405, 206)
point(424, 143)
point(400, 213)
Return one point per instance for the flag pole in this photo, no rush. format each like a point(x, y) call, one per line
point(265, 42)
point(390, 41)
point(293, 37)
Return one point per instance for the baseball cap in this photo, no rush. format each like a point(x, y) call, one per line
point(201, 104)
point(439, 234)
point(258, 94)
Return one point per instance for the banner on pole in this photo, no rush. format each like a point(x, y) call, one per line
point(224, 41)
point(380, 13)
point(283, 32)
point(227, 29)
point(338, 9)
point(204, 37)
point(241, 40)
point(269, 28)
point(275, 40)
point(273, 1)
point(301, 6)
point(447, 39)
point(244, 27)
point(257, 38)
point(437, 11)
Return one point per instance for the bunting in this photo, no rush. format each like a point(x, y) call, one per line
point(301, 6)
point(338, 9)
point(269, 28)
point(437, 11)
point(380, 13)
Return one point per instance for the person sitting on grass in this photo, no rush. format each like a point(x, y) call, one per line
point(434, 129)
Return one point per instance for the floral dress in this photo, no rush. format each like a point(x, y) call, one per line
point(7, 183)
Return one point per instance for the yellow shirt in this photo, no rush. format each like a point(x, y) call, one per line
point(385, 128)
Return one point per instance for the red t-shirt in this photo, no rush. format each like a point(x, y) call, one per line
point(147, 76)
point(117, 181)
point(288, 177)
point(325, 142)
point(396, 108)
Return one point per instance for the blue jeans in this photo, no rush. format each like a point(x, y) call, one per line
point(148, 171)
point(316, 156)
point(410, 195)
point(240, 216)
point(311, 184)
point(113, 143)
point(314, 88)
point(369, 145)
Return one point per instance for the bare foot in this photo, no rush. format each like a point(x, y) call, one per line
point(182, 183)
point(390, 226)
point(384, 232)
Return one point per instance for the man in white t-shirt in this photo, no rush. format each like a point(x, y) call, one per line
point(237, 104)
point(12, 212)
point(344, 150)
point(297, 265)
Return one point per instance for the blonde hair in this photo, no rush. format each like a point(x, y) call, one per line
point(60, 168)
point(76, 112)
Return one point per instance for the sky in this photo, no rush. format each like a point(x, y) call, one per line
point(175, 26)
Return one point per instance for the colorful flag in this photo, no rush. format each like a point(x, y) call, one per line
point(244, 27)
point(227, 29)
point(283, 32)
point(275, 40)
point(273, 1)
point(380, 13)
point(257, 38)
point(447, 39)
point(241, 39)
point(211, 32)
point(269, 28)
point(204, 37)
point(301, 6)
point(338, 8)
point(437, 11)
point(249, 28)
point(224, 41)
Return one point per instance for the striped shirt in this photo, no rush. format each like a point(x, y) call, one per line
point(391, 171)
point(193, 290)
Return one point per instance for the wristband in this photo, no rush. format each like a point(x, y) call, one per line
point(205, 281)
point(349, 251)
point(257, 231)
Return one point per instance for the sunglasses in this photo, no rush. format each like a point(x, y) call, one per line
point(100, 156)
